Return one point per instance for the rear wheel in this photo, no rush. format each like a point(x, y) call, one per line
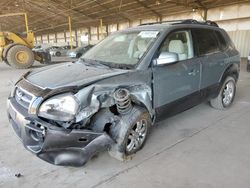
point(226, 95)
point(20, 57)
point(58, 54)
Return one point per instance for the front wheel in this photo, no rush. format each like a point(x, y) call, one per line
point(136, 135)
point(130, 133)
point(248, 66)
point(78, 55)
point(226, 95)
point(20, 57)
point(58, 54)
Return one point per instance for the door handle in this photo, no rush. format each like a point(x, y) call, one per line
point(192, 72)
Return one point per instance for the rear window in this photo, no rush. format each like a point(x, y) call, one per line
point(205, 41)
point(221, 40)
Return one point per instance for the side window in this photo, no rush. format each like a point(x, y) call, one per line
point(180, 43)
point(206, 41)
point(221, 39)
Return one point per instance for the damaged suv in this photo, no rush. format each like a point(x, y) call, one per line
point(110, 98)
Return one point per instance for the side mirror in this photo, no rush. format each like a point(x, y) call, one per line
point(167, 58)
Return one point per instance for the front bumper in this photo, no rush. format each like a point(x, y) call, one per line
point(53, 144)
point(52, 53)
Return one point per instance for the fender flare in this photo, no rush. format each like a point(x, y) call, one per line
point(231, 70)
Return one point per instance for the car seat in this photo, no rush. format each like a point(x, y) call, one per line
point(141, 48)
point(177, 46)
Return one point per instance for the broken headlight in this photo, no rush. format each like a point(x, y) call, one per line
point(59, 108)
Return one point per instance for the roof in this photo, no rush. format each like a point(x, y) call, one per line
point(52, 15)
point(159, 26)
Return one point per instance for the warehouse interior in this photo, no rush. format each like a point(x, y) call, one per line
point(201, 147)
point(97, 19)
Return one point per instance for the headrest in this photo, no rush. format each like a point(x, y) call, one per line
point(141, 45)
point(176, 46)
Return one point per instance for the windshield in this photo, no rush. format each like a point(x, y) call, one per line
point(122, 49)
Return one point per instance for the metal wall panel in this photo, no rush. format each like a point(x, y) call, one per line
point(241, 39)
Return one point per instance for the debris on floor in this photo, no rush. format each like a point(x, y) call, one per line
point(18, 175)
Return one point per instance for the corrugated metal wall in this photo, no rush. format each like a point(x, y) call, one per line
point(235, 19)
point(241, 39)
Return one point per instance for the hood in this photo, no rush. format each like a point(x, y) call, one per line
point(70, 74)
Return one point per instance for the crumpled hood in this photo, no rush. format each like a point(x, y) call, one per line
point(70, 74)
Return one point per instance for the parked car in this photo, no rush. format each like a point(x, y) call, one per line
point(42, 48)
point(248, 62)
point(61, 51)
point(78, 52)
point(37, 47)
point(110, 98)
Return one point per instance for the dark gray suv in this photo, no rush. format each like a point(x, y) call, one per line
point(111, 97)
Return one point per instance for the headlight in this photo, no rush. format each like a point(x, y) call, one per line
point(60, 108)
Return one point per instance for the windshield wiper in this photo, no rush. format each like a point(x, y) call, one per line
point(91, 62)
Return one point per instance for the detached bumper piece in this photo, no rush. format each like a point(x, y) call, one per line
point(56, 145)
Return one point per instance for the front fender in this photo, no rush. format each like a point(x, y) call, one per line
point(102, 96)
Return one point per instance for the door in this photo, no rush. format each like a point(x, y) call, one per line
point(176, 85)
point(209, 46)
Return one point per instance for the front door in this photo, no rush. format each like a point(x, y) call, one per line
point(176, 85)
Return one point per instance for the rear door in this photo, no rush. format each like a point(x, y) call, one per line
point(209, 49)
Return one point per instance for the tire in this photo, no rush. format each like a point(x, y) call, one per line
point(6, 62)
point(58, 54)
point(248, 66)
point(5, 51)
point(20, 57)
point(127, 131)
point(78, 56)
point(226, 95)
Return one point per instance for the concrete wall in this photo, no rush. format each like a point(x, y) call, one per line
point(235, 19)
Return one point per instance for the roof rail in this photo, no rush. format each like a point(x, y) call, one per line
point(162, 22)
point(187, 21)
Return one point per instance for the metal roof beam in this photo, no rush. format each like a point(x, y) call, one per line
point(108, 10)
point(147, 7)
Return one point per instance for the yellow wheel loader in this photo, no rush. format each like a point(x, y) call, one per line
point(16, 50)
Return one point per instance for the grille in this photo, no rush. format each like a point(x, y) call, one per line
point(23, 97)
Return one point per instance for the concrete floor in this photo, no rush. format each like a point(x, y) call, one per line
point(201, 147)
